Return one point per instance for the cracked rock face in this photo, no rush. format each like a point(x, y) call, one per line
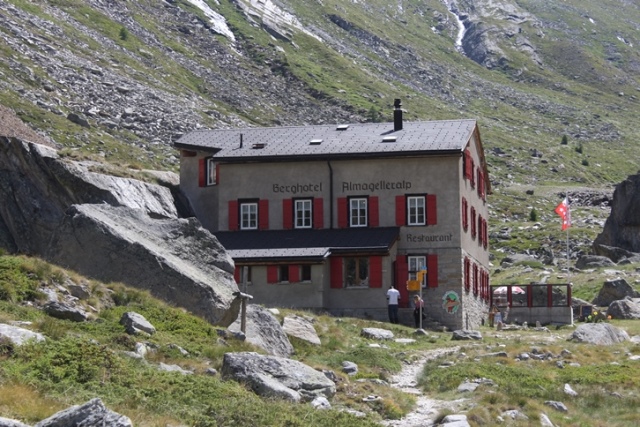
point(111, 229)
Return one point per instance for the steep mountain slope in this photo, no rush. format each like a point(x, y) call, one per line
point(120, 80)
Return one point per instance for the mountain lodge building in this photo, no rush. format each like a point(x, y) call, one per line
point(327, 217)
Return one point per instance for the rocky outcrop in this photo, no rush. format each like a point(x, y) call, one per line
point(622, 228)
point(111, 229)
point(277, 377)
point(18, 336)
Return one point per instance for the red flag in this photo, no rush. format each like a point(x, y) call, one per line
point(565, 213)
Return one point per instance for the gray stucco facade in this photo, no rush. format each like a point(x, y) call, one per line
point(328, 217)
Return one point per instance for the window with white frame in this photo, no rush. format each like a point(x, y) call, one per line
point(356, 271)
point(249, 216)
point(302, 213)
point(212, 178)
point(358, 212)
point(415, 264)
point(416, 208)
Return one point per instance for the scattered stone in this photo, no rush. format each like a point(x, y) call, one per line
point(321, 402)
point(514, 414)
point(272, 376)
point(464, 334)
point(467, 387)
point(349, 368)
point(545, 421)
point(90, 414)
point(457, 420)
point(301, 328)
point(558, 406)
point(18, 336)
point(7, 422)
point(377, 333)
point(173, 368)
point(263, 330)
point(135, 323)
point(568, 390)
point(61, 310)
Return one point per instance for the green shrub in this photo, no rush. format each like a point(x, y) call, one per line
point(533, 215)
point(565, 140)
point(124, 34)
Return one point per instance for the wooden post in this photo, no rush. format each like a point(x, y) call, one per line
point(243, 309)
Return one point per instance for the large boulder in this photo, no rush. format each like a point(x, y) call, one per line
point(278, 377)
point(622, 228)
point(176, 260)
point(263, 330)
point(37, 187)
point(599, 333)
point(111, 229)
point(614, 290)
point(624, 309)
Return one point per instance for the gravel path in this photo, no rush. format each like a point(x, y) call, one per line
point(427, 409)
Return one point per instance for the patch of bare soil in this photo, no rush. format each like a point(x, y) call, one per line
point(12, 127)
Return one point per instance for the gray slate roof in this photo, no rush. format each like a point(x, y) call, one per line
point(310, 244)
point(329, 141)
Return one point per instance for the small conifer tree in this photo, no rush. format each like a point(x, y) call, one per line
point(533, 215)
point(565, 140)
point(124, 34)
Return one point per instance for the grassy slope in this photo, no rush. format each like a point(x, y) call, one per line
point(80, 361)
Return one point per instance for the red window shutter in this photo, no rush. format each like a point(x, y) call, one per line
point(471, 174)
point(432, 271)
point(318, 213)
point(465, 214)
point(263, 214)
point(374, 213)
point(467, 164)
point(202, 172)
point(485, 227)
point(294, 273)
point(336, 272)
point(287, 214)
point(475, 279)
point(236, 274)
point(480, 233)
point(375, 272)
point(342, 213)
point(473, 222)
point(272, 274)
point(233, 215)
point(401, 276)
point(480, 183)
point(401, 211)
point(467, 268)
point(432, 210)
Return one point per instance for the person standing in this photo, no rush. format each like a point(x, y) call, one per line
point(418, 310)
point(393, 296)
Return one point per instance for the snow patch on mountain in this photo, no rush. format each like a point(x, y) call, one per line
point(218, 23)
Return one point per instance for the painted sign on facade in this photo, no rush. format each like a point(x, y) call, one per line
point(451, 302)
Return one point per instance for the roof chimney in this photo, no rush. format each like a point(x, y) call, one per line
point(397, 115)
